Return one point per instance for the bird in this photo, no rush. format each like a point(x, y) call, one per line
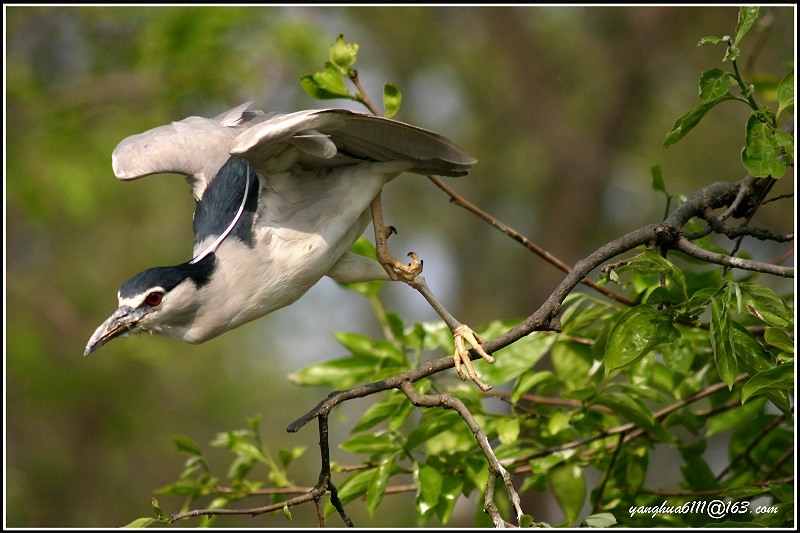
point(280, 200)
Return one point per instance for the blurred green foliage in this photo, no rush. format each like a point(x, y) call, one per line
point(565, 108)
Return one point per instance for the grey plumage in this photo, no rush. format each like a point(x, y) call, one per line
point(312, 176)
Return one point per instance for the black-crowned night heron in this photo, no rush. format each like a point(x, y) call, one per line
point(280, 201)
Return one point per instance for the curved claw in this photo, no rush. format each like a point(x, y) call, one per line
point(400, 272)
point(462, 358)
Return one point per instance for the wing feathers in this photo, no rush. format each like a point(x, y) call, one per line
point(359, 135)
point(199, 147)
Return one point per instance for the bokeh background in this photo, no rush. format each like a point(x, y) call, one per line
point(566, 109)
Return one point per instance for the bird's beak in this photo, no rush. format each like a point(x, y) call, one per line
point(119, 324)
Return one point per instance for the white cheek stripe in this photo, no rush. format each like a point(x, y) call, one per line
point(216, 243)
point(136, 301)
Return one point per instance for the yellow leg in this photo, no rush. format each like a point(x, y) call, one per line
point(396, 270)
point(410, 274)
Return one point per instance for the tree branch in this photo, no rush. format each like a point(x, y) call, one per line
point(496, 470)
point(683, 245)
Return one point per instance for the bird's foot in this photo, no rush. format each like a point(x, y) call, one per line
point(400, 272)
point(462, 358)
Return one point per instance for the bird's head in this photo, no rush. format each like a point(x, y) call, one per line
point(161, 300)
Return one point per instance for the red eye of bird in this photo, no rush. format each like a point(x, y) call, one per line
point(153, 299)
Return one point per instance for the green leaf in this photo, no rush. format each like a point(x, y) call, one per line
point(763, 303)
point(187, 445)
point(573, 363)
point(750, 355)
point(162, 516)
point(558, 421)
point(630, 472)
point(343, 54)
point(747, 17)
point(326, 85)
point(525, 521)
point(599, 520)
point(142, 522)
point(365, 347)
point(761, 150)
point(529, 380)
point(287, 456)
point(381, 410)
point(401, 414)
point(679, 355)
point(657, 182)
point(569, 486)
point(434, 424)
point(731, 53)
point(732, 418)
point(710, 40)
point(741, 493)
point(786, 142)
point(786, 92)
point(780, 377)
point(392, 98)
point(429, 484)
point(507, 429)
point(356, 343)
point(696, 471)
point(240, 467)
point(339, 373)
point(377, 488)
point(713, 84)
point(722, 342)
point(352, 488)
point(780, 339)
point(688, 121)
point(515, 359)
point(451, 490)
point(634, 410)
point(637, 333)
point(287, 513)
point(369, 444)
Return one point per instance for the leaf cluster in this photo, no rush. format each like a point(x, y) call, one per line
point(768, 150)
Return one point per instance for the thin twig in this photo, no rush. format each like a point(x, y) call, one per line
point(777, 464)
point(496, 470)
point(764, 432)
point(692, 250)
point(710, 492)
point(761, 234)
point(625, 428)
point(517, 236)
point(599, 498)
point(551, 401)
point(779, 197)
point(780, 258)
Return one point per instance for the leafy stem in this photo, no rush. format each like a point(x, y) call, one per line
point(747, 92)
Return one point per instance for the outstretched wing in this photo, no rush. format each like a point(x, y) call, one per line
point(338, 136)
point(196, 147)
